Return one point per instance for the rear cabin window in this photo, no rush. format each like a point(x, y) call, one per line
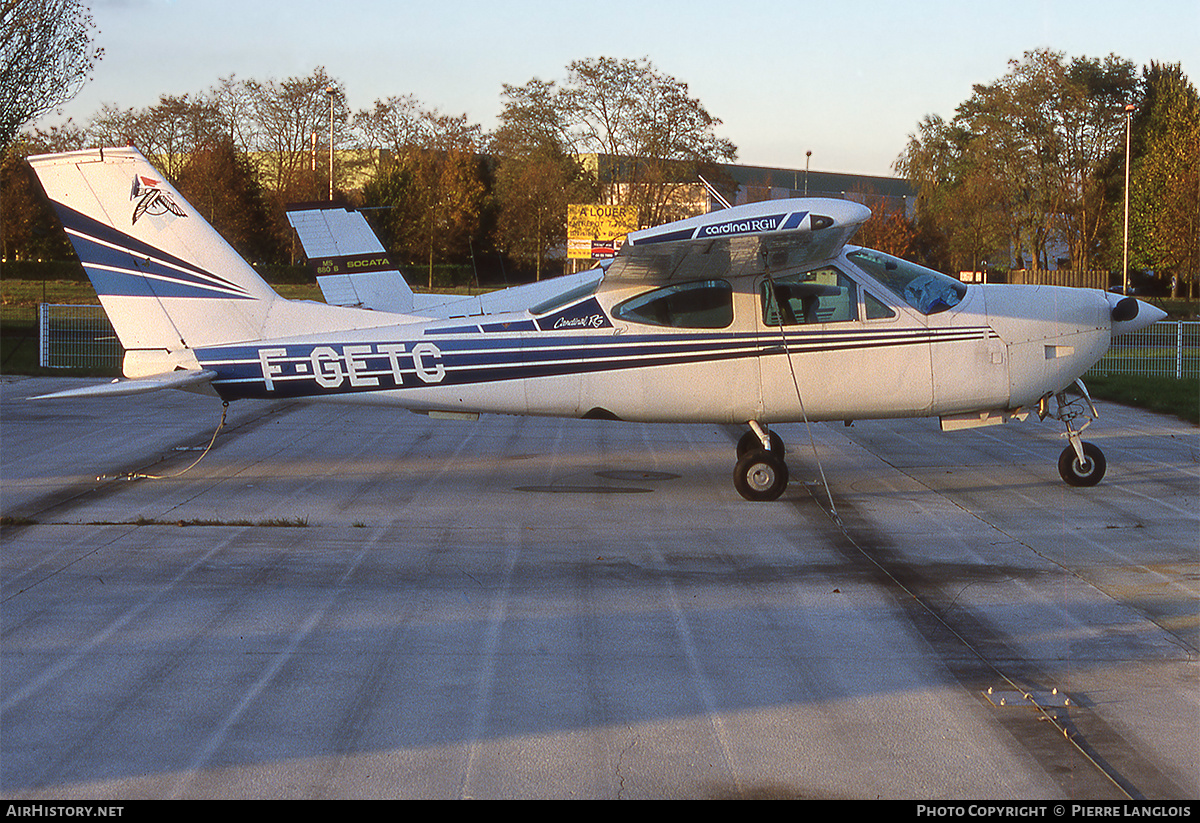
point(818, 296)
point(703, 304)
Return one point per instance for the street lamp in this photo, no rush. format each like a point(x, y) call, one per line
point(1129, 109)
point(807, 157)
point(331, 91)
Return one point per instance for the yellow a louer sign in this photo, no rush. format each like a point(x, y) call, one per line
point(595, 231)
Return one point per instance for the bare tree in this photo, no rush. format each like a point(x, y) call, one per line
point(46, 55)
point(293, 122)
point(656, 134)
point(235, 102)
point(393, 126)
point(169, 131)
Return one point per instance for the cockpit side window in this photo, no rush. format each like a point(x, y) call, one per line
point(876, 308)
point(819, 296)
point(703, 304)
point(926, 290)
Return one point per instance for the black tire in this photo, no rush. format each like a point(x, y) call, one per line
point(760, 475)
point(751, 443)
point(1087, 474)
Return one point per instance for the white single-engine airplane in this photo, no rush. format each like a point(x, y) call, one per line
point(752, 315)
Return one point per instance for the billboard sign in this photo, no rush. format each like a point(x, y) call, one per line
point(597, 232)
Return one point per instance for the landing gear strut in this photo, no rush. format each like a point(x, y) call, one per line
point(760, 473)
point(1080, 464)
point(752, 442)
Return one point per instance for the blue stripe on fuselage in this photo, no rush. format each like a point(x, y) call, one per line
point(312, 369)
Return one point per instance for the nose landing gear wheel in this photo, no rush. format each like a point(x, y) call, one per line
point(760, 475)
point(1087, 473)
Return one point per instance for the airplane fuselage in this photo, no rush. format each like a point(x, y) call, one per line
point(727, 360)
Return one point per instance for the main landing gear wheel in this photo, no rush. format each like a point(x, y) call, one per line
point(1087, 473)
point(760, 475)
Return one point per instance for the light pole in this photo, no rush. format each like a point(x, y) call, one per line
point(1129, 109)
point(331, 91)
point(807, 158)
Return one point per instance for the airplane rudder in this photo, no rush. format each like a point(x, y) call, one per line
point(155, 262)
point(136, 234)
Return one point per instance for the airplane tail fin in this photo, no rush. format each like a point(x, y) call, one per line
point(167, 280)
point(352, 266)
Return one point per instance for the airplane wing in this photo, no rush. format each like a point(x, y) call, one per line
point(183, 379)
point(772, 235)
point(353, 268)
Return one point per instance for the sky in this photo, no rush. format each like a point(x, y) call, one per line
point(848, 80)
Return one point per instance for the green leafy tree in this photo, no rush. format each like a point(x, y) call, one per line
point(1092, 127)
point(1032, 147)
point(888, 231)
point(1164, 192)
point(29, 230)
point(432, 185)
point(392, 201)
point(450, 188)
point(223, 186)
point(963, 214)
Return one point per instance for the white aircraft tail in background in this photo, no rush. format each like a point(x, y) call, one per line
point(353, 269)
point(352, 266)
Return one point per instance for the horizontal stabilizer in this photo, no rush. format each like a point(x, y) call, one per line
point(378, 290)
point(119, 388)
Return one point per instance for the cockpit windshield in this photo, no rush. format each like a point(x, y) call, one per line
point(926, 290)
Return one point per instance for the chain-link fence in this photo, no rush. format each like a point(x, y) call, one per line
point(77, 337)
point(1169, 348)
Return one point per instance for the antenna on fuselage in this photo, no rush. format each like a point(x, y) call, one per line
point(716, 195)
